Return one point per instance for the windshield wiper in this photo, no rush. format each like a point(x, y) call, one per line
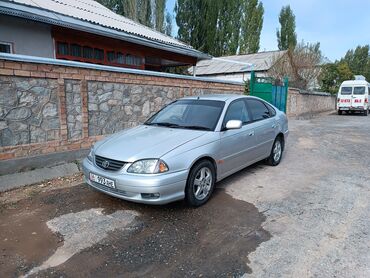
point(172, 125)
point(197, 127)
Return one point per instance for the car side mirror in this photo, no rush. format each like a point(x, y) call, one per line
point(234, 124)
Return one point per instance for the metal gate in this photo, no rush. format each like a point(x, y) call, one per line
point(270, 90)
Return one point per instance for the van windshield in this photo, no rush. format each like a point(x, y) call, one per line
point(359, 90)
point(346, 91)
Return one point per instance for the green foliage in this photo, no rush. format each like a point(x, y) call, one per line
point(215, 26)
point(251, 26)
point(247, 87)
point(286, 36)
point(355, 62)
point(140, 11)
point(333, 74)
point(194, 28)
point(358, 61)
point(160, 6)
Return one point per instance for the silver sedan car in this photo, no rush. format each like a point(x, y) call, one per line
point(185, 148)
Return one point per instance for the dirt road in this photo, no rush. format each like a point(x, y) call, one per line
point(310, 216)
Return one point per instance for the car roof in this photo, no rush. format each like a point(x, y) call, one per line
point(220, 97)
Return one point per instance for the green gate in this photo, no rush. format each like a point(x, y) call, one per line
point(269, 90)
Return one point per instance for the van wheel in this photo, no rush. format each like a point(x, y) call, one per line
point(365, 113)
point(340, 112)
point(200, 184)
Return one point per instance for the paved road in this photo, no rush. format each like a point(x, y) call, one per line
point(310, 216)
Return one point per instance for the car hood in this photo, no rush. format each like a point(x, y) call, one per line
point(145, 142)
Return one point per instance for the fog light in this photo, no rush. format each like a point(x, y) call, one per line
point(150, 195)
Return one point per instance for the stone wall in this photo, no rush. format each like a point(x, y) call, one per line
point(47, 108)
point(28, 111)
point(305, 104)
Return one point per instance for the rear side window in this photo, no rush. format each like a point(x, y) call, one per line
point(359, 90)
point(258, 109)
point(346, 91)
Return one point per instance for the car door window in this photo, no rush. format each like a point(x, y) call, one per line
point(258, 109)
point(237, 110)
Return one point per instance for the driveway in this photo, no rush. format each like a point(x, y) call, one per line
point(310, 216)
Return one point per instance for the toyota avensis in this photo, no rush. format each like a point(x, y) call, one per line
point(185, 148)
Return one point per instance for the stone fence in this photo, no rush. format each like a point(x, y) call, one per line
point(305, 104)
point(50, 107)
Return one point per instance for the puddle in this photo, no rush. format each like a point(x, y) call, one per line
point(172, 240)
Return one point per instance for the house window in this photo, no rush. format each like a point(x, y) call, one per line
point(88, 52)
point(6, 47)
point(120, 58)
point(76, 50)
point(130, 60)
point(138, 61)
point(62, 48)
point(99, 54)
point(111, 56)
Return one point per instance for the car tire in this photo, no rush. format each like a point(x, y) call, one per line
point(340, 112)
point(200, 183)
point(365, 113)
point(276, 152)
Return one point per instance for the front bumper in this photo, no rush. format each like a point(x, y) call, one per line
point(170, 187)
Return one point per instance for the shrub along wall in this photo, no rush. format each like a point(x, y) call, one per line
point(51, 108)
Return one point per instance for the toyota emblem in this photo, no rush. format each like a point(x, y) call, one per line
point(105, 164)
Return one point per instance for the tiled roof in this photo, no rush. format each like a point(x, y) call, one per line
point(93, 12)
point(261, 61)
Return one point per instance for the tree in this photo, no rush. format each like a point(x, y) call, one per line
point(301, 65)
point(286, 36)
point(228, 24)
point(215, 26)
point(332, 75)
point(252, 23)
point(358, 61)
point(140, 11)
point(168, 29)
point(160, 6)
point(197, 22)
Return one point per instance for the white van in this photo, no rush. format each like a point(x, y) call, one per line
point(353, 96)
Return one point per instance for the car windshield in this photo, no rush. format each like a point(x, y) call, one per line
point(190, 114)
point(346, 91)
point(359, 90)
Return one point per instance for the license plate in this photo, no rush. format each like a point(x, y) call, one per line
point(102, 180)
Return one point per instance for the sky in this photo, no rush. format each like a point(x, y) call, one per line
point(339, 25)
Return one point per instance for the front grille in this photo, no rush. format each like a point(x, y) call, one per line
point(113, 165)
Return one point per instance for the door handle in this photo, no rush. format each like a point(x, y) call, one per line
point(251, 133)
point(273, 126)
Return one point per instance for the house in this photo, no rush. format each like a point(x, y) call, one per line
point(239, 67)
point(86, 31)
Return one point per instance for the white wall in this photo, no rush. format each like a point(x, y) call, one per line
point(239, 77)
point(28, 37)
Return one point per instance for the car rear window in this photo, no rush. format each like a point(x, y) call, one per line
point(346, 91)
point(359, 90)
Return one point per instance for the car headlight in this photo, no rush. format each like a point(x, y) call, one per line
point(90, 156)
point(148, 166)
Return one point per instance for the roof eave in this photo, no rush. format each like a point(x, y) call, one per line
point(46, 16)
